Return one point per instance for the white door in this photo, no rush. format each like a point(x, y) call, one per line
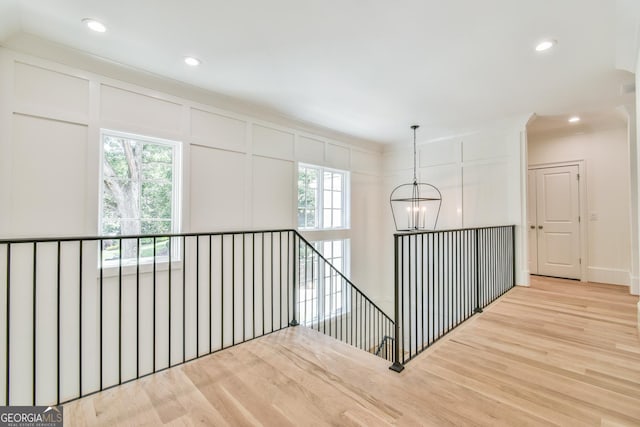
point(557, 221)
point(531, 221)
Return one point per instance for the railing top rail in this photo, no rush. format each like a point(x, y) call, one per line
point(344, 277)
point(449, 230)
point(136, 236)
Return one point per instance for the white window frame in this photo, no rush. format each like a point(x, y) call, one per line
point(176, 202)
point(346, 197)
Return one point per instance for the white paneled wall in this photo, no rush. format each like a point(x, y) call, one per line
point(239, 172)
point(479, 178)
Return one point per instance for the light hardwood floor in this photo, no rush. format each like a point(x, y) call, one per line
point(558, 353)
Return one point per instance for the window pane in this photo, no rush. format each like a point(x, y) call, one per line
point(336, 201)
point(327, 218)
point(337, 217)
point(156, 227)
point(337, 248)
point(327, 199)
point(328, 176)
point(310, 219)
point(156, 200)
point(110, 250)
point(110, 226)
point(307, 196)
point(115, 160)
point(337, 181)
point(157, 153)
point(157, 172)
point(326, 249)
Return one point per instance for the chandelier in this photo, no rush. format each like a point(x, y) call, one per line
point(416, 206)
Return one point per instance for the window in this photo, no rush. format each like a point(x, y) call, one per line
point(326, 298)
point(140, 194)
point(322, 198)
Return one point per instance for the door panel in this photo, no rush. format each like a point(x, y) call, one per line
point(531, 222)
point(557, 212)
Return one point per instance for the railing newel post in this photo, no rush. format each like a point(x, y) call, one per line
point(397, 366)
point(296, 280)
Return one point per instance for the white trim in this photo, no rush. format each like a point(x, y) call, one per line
point(613, 276)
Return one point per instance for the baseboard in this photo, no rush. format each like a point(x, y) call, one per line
point(612, 276)
point(635, 285)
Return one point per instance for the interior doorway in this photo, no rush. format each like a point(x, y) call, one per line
point(553, 216)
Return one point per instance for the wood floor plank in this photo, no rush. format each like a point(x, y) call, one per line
point(558, 353)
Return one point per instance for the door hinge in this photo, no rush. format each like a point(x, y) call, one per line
point(578, 177)
point(580, 260)
point(579, 218)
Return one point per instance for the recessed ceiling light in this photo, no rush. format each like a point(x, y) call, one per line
point(191, 61)
point(545, 45)
point(95, 25)
point(574, 119)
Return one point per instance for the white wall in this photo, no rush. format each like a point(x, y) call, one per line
point(479, 176)
point(606, 158)
point(239, 172)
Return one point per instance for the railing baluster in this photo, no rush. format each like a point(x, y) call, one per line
point(253, 283)
point(280, 280)
point(169, 294)
point(197, 296)
point(244, 337)
point(34, 319)
point(138, 307)
point(120, 311)
point(210, 293)
point(233, 289)
point(58, 324)
point(101, 260)
point(222, 292)
point(80, 265)
point(184, 299)
point(154, 301)
point(262, 294)
point(8, 331)
point(271, 268)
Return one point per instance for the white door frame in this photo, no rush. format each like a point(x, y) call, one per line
point(582, 188)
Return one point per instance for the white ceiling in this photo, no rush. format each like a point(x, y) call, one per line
point(366, 68)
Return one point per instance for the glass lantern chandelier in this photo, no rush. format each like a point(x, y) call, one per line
point(416, 206)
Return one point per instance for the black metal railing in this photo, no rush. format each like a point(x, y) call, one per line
point(442, 278)
point(84, 314)
point(331, 304)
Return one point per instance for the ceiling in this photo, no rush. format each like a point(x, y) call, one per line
point(365, 68)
